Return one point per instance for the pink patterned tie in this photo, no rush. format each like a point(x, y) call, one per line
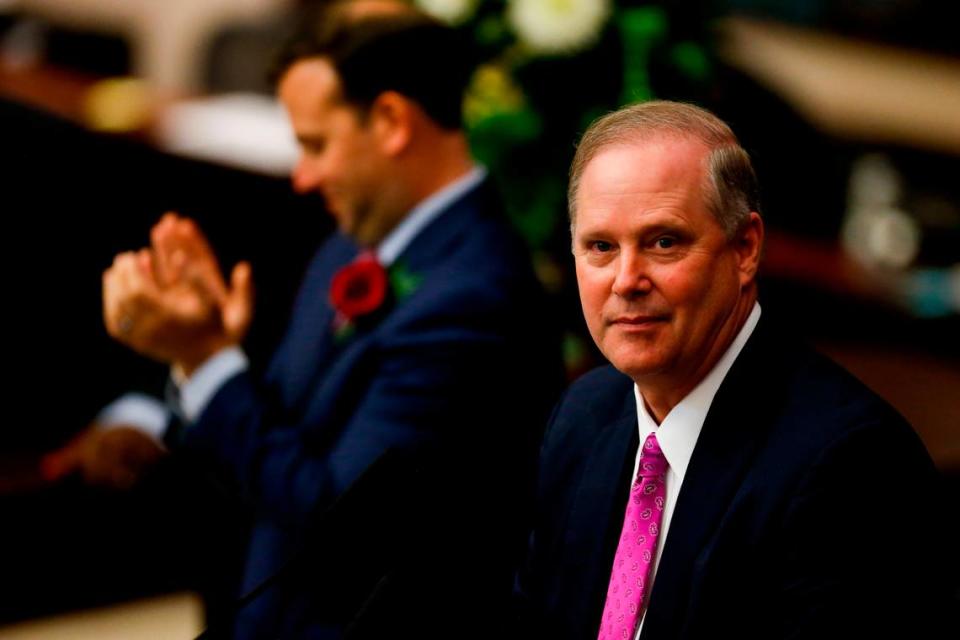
point(628, 592)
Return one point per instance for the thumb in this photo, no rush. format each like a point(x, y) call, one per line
point(237, 310)
point(66, 460)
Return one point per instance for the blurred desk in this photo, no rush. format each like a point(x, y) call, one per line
point(170, 617)
point(243, 130)
point(168, 38)
point(56, 91)
point(852, 89)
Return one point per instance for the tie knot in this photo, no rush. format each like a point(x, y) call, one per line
point(652, 460)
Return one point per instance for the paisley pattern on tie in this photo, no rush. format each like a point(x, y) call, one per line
point(628, 592)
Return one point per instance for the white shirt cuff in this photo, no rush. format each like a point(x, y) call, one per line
point(138, 410)
point(197, 391)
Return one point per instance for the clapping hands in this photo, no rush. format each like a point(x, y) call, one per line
point(170, 302)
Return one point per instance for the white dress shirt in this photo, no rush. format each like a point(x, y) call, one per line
point(678, 433)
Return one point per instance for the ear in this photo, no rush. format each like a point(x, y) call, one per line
point(749, 246)
point(392, 121)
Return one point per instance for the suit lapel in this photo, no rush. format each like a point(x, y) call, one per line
point(732, 431)
point(433, 243)
point(599, 506)
point(309, 343)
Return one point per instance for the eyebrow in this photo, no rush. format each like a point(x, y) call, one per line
point(585, 231)
point(307, 138)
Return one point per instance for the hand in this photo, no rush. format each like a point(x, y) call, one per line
point(184, 255)
point(179, 323)
point(115, 458)
point(170, 302)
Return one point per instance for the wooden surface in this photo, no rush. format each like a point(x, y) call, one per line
point(852, 89)
point(168, 38)
point(173, 617)
point(59, 91)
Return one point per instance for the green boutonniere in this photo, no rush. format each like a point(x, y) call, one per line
point(403, 282)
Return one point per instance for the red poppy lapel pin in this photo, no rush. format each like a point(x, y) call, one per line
point(362, 290)
point(358, 289)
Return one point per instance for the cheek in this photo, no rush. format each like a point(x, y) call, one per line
point(593, 296)
point(594, 289)
point(679, 286)
point(697, 277)
point(698, 294)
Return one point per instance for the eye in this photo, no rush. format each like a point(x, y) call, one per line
point(602, 246)
point(313, 146)
point(666, 242)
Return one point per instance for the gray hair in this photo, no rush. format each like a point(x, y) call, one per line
point(730, 188)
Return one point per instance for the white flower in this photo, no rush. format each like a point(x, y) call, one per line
point(453, 12)
point(558, 26)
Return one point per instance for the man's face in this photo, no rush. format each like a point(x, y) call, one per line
point(340, 156)
point(662, 287)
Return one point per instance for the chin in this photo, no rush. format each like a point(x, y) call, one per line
point(635, 358)
point(638, 360)
point(637, 368)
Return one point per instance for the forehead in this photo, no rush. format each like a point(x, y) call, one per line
point(670, 167)
point(309, 89)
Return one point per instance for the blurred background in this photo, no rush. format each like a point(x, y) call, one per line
point(112, 113)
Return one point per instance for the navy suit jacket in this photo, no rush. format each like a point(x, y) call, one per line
point(456, 377)
point(808, 510)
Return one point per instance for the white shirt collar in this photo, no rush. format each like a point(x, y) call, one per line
point(678, 433)
point(424, 213)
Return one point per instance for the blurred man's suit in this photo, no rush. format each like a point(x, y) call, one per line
point(455, 378)
point(805, 512)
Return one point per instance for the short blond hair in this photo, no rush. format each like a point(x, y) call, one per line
point(731, 190)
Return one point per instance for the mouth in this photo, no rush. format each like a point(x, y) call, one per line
point(637, 322)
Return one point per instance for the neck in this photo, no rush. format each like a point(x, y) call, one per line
point(441, 159)
point(424, 169)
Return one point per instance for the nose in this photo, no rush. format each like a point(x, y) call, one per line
point(633, 278)
point(306, 176)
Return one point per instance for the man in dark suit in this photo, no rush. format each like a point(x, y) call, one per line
point(773, 495)
point(392, 435)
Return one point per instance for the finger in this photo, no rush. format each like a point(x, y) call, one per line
point(192, 240)
point(59, 464)
point(132, 279)
point(115, 289)
point(238, 307)
point(145, 262)
point(116, 281)
point(111, 310)
point(66, 460)
point(129, 290)
point(140, 275)
point(169, 255)
point(190, 259)
point(191, 237)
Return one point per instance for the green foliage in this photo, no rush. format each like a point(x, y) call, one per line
point(525, 111)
